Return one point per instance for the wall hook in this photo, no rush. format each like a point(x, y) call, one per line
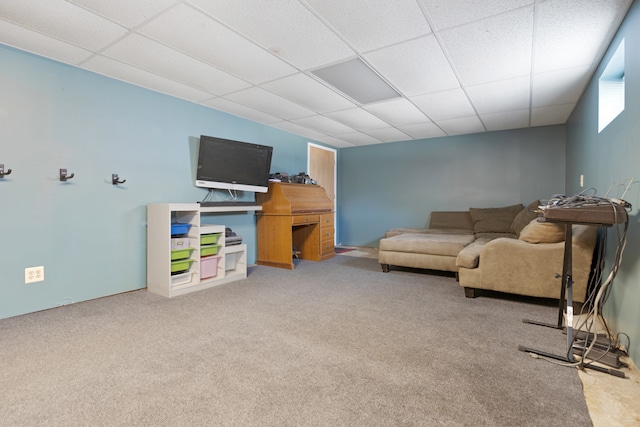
point(115, 180)
point(64, 176)
point(3, 173)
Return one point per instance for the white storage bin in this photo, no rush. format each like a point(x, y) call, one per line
point(180, 279)
point(230, 260)
point(180, 243)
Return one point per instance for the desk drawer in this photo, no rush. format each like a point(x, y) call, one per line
point(326, 233)
point(326, 220)
point(305, 219)
point(327, 247)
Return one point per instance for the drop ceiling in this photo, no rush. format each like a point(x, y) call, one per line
point(459, 66)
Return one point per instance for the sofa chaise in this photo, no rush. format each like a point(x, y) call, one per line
point(503, 249)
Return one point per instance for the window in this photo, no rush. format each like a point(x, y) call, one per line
point(611, 89)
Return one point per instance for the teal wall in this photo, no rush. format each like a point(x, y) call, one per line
point(398, 184)
point(613, 156)
point(89, 235)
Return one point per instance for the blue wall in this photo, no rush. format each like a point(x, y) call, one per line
point(613, 156)
point(89, 234)
point(398, 184)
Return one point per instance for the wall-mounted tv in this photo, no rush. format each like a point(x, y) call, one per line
point(233, 165)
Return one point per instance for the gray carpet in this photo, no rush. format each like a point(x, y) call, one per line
point(331, 343)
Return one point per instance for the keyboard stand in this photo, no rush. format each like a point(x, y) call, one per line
point(567, 283)
point(566, 290)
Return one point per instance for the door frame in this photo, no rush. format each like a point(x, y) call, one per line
point(335, 182)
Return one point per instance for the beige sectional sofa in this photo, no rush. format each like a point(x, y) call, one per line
point(501, 249)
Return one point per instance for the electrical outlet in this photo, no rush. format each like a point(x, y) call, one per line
point(33, 274)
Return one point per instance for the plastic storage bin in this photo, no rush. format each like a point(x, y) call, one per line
point(180, 243)
point(230, 261)
point(180, 279)
point(209, 267)
point(178, 228)
point(180, 265)
point(208, 250)
point(209, 239)
point(177, 254)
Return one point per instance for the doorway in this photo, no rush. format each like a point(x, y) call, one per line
point(322, 167)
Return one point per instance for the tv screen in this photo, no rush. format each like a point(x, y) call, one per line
point(233, 165)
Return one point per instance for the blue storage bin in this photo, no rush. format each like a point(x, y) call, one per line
point(179, 228)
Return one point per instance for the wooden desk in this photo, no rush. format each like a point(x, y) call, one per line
point(296, 216)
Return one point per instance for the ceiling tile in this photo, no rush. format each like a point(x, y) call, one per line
point(359, 21)
point(269, 103)
point(310, 93)
point(215, 44)
point(559, 87)
point(359, 138)
point(389, 135)
point(461, 125)
point(358, 118)
point(126, 12)
point(299, 130)
point(279, 27)
point(398, 112)
point(447, 13)
point(324, 124)
point(503, 95)
point(445, 105)
point(34, 42)
point(130, 74)
point(415, 67)
point(552, 115)
point(506, 120)
point(571, 33)
point(241, 110)
point(423, 130)
point(497, 48)
point(155, 57)
point(63, 21)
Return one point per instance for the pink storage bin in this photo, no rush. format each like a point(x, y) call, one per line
point(209, 267)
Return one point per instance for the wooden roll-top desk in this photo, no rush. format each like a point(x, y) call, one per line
point(296, 220)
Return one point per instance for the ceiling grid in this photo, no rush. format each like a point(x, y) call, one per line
point(459, 66)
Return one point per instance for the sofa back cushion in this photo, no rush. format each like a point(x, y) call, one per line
point(525, 216)
point(451, 219)
point(494, 220)
point(542, 232)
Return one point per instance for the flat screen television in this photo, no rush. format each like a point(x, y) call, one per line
point(233, 165)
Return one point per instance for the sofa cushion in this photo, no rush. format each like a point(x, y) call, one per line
point(469, 257)
point(395, 231)
point(491, 236)
point(542, 232)
point(494, 220)
point(450, 219)
point(525, 216)
point(434, 244)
